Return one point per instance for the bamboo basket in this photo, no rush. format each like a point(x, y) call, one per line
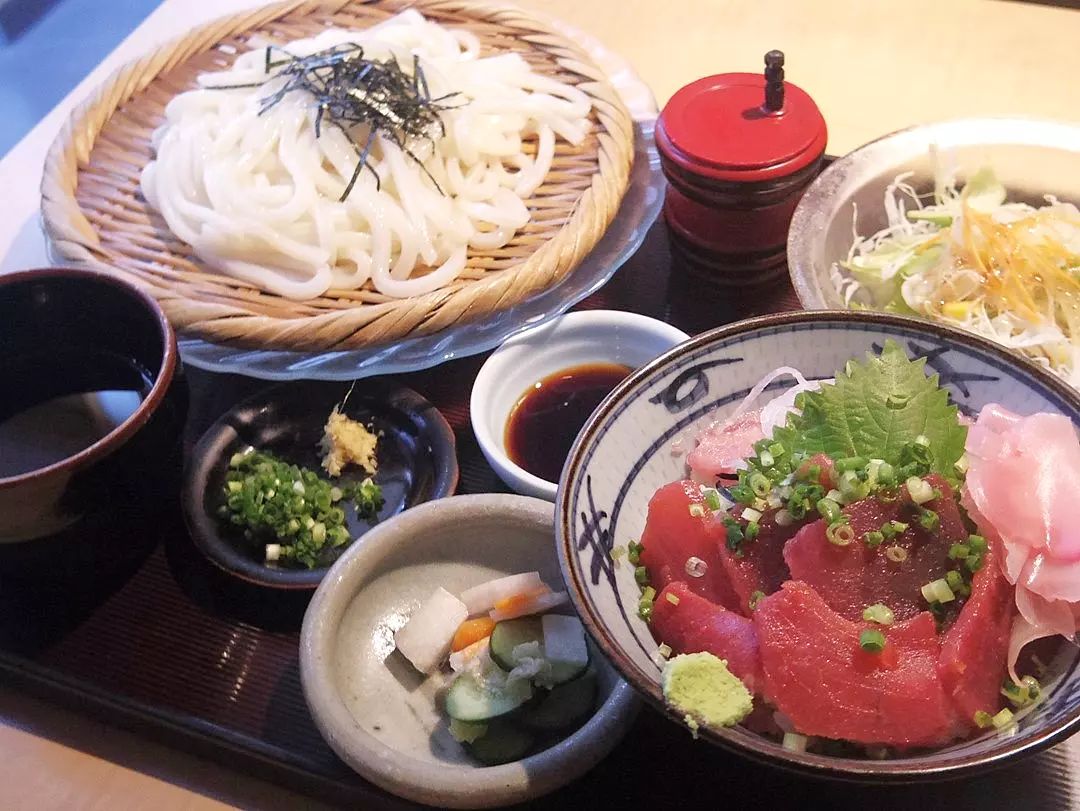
point(94, 213)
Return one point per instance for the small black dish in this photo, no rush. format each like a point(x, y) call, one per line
point(417, 462)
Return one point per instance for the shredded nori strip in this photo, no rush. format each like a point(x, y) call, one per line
point(350, 90)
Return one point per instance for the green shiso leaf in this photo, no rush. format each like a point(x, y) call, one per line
point(858, 415)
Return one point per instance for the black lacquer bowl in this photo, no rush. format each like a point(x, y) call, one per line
point(417, 462)
point(82, 482)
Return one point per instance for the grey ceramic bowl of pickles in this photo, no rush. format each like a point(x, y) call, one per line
point(385, 719)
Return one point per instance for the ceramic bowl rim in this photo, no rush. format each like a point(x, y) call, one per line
point(809, 218)
point(222, 552)
point(513, 474)
point(163, 375)
point(753, 746)
point(364, 752)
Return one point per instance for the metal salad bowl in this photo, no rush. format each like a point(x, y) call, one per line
point(1032, 158)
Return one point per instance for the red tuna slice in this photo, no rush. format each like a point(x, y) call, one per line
point(688, 623)
point(759, 565)
point(826, 468)
point(672, 535)
point(974, 651)
point(818, 676)
point(852, 577)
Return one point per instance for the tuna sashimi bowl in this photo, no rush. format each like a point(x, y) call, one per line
point(848, 543)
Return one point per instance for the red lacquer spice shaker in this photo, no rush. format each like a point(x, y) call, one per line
point(738, 150)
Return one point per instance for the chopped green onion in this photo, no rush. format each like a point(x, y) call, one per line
point(873, 539)
point(840, 533)
point(961, 464)
point(887, 495)
point(983, 719)
point(645, 604)
point(977, 543)
point(760, 485)
point(765, 459)
point(742, 494)
point(916, 459)
point(896, 527)
point(959, 551)
point(929, 520)
point(974, 563)
point(919, 490)
point(851, 463)
point(923, 440)
point(641, 576)
point(672, 598)
point(872, 640)
point(897, 554)
point(879, 613)
point(795, 742)
point(712, 498)
point(938, 591)
point(777, 449)
point(695, 566)
point(697, 511)
point(954, 580)
point(851, 489)
point(288, 510)
point(885, 475)
point(751, 515)
point(1002, 719)
point(753, 529)
point(1023, 694)
point(755, 598)
point(835, 495)
point(828, 509)
point(634, 551)
point(735, 535)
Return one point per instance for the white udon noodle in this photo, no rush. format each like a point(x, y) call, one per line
point(257, 197)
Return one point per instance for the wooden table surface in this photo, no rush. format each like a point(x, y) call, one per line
point(872, 66)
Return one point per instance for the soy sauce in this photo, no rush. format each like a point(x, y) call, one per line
point(39, 427)
point(547, 418)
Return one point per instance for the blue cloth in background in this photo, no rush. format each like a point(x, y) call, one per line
point(51, 46)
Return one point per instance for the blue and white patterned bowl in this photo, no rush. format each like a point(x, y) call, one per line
point(624, 454)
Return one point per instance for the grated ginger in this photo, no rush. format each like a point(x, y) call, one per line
point(346, 441)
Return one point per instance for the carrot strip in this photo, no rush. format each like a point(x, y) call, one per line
point(471, 631)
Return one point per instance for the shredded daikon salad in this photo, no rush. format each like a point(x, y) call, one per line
point(1007, 271)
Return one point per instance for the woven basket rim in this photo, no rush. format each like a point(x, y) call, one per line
point(363, 325)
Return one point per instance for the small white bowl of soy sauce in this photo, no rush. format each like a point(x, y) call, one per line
point(535, 392)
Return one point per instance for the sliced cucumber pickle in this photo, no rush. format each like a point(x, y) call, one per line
point(467, 700)
point(508, 634)
point(564, 672)
point(502, 743)
point(565, 706)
